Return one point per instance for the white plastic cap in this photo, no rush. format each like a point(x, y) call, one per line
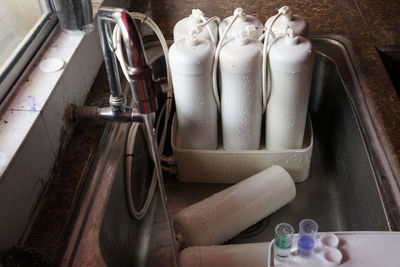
point(250, 29)
point(192, 39)
point(239, 11)
point(290, 38)
point(287, 12)
point(287, 18)
point(243, 37)
point(196, 15)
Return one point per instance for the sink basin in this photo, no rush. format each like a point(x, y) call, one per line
point(349, 187)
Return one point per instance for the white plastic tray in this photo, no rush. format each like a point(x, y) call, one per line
point(232, 166)
point(367, 249)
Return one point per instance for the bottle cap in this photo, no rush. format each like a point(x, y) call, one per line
point(196, 15)
point(286, 12)
point(290, 38)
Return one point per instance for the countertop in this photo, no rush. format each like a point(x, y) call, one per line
point(366, 24)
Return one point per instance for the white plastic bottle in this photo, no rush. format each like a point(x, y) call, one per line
point(241, 24)
point(183, 27)
point(236, 255)
point(291, 61)
point(288, 19)
point(241, 93)
point(191, 68)
point(223, 215)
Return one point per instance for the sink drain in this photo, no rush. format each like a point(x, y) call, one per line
point(254, 230)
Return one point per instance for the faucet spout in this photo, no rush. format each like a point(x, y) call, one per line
point(135, 67)
point(140, 74)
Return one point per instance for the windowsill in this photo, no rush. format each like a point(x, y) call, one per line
point(29, 103)
point(32, 125)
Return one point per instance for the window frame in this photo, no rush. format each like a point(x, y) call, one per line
point(19, 65)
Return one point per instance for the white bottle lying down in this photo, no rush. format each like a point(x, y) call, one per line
point(220, 217)
point(254, 255)
point(351, 249)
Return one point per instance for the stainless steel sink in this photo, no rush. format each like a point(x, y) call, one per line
point(350, 186)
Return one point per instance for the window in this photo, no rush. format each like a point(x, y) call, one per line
point(24, 25)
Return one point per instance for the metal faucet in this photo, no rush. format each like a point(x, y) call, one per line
point(142, 85)
point(140, 75)
point(141, 82)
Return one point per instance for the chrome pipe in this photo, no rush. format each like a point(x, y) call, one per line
point(129, 115)
point(105, 19)
point(106, 113)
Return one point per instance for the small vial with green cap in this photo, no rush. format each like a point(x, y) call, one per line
point(283, 242)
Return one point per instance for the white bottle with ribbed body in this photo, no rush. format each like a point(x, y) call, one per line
point(241, 91)
point(288, 19)
point(241, 23)
point(183, 27)
point(191, 68)
point(223, 215)
point(291, 61)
